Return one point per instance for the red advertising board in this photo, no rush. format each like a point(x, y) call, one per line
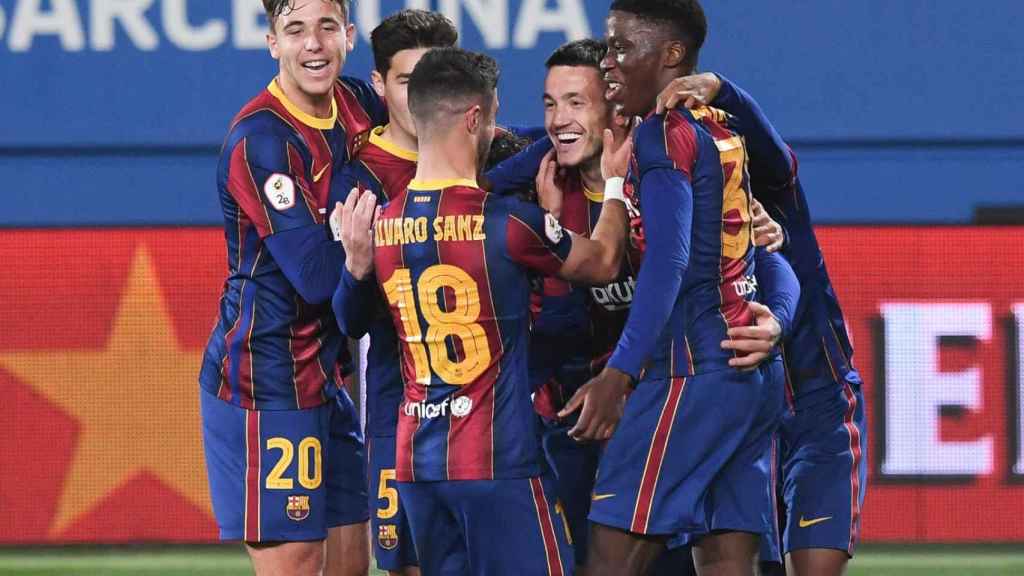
point(102, 332)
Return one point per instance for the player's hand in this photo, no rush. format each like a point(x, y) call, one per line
point(602, 399)
point(767, 232)
point(357, 217)
point(693, 91)
point(754, 343)
point(616, 153)
point(549, 195)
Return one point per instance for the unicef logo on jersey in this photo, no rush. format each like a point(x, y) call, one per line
point(460, 408)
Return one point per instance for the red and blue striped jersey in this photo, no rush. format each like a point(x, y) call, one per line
point(692, 191)
point(272, 348)
point(386, 170)
point(591, 317)
point(453, 262)
point(818, 353)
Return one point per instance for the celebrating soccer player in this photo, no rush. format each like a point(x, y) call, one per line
point(452, 261)
point(824, 433)
point(385, 163)
point(695, 430)
point(282, 440)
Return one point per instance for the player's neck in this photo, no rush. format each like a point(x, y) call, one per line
point(400, 138)
point(590, 171)
point(446, 159)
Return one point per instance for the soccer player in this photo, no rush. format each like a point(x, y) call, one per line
point(693, 431)
point(453, 262)
point(283, 447)
point(385, 162)
point(824, 434)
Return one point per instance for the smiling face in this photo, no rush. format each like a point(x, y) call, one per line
point(633, 66)
point(311, 42)
point(575, 113)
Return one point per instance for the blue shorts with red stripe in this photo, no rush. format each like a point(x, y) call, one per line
point(284, 475)
point(824, 471)
point(494, 527)
point(389, 527)
point(743, 494)
point(679, 450)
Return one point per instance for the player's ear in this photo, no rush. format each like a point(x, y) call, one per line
point(272, 43)
point(350, 37)
point(474, 119)
point(378, 83)
point(673, 54)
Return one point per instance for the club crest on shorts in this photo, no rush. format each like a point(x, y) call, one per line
point(297, 507)
point(553, 229)
point(387, 536)
point(280, 191)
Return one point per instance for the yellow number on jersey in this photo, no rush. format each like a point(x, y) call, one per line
point(734, 196)
point(309, 449)
point(389, 493)
point(456, 318)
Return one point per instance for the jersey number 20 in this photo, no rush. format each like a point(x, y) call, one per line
point(449, 301)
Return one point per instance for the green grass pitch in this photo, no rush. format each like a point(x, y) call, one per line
point(229, 561)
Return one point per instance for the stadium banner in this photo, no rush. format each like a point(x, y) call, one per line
point(102, 332)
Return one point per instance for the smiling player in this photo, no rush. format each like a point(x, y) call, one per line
point(282, 440)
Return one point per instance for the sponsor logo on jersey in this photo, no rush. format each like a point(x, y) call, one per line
point(459, 407)
point(615, 296)
point(745, 286)
point(297, 507)
point(387, 536)
point(280, 191)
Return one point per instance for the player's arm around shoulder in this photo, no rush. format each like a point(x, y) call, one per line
point(598, 259)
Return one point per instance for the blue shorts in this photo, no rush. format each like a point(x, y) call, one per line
point(824, 448)
point(494, 527)
point(284, 475)
point(575, 466)
point(688, 456)
point(389, 528)
point(746, 486)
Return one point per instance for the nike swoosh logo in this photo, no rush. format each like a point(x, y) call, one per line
point(597, 497)
point(320, 174)
point(806, 523)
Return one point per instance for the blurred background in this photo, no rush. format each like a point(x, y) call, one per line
point(904, 114)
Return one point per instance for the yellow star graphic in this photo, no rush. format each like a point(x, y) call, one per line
point(136, 400)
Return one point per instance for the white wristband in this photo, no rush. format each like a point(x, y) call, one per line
point(613, 188)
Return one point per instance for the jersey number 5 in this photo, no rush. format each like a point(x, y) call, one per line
point(449, 301)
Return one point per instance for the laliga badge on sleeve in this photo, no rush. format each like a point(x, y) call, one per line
point(280, 191)
point(553, 229)
point(335, 220)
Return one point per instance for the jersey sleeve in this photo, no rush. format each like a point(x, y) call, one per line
point(535, 239)
point(772, 163)
point(267, 179)
point(354, 303)
point(665, 149)
point(779, 287)
point(519, 172)
point(667, 211)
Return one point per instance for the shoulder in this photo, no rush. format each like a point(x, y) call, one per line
point(357, 95)
point(666, 140)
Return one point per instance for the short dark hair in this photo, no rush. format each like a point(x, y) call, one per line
point(448, 79)
point(408, 29)
point(586, 52)
point(275, 8)
point(685, 16)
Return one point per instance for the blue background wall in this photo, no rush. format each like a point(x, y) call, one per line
point(900, 110)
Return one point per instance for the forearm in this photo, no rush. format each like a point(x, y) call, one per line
point(518, 172)
point(598, 259)
point(353, 303)
point(310, 261)
point(779, 287)
point(667, 226)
